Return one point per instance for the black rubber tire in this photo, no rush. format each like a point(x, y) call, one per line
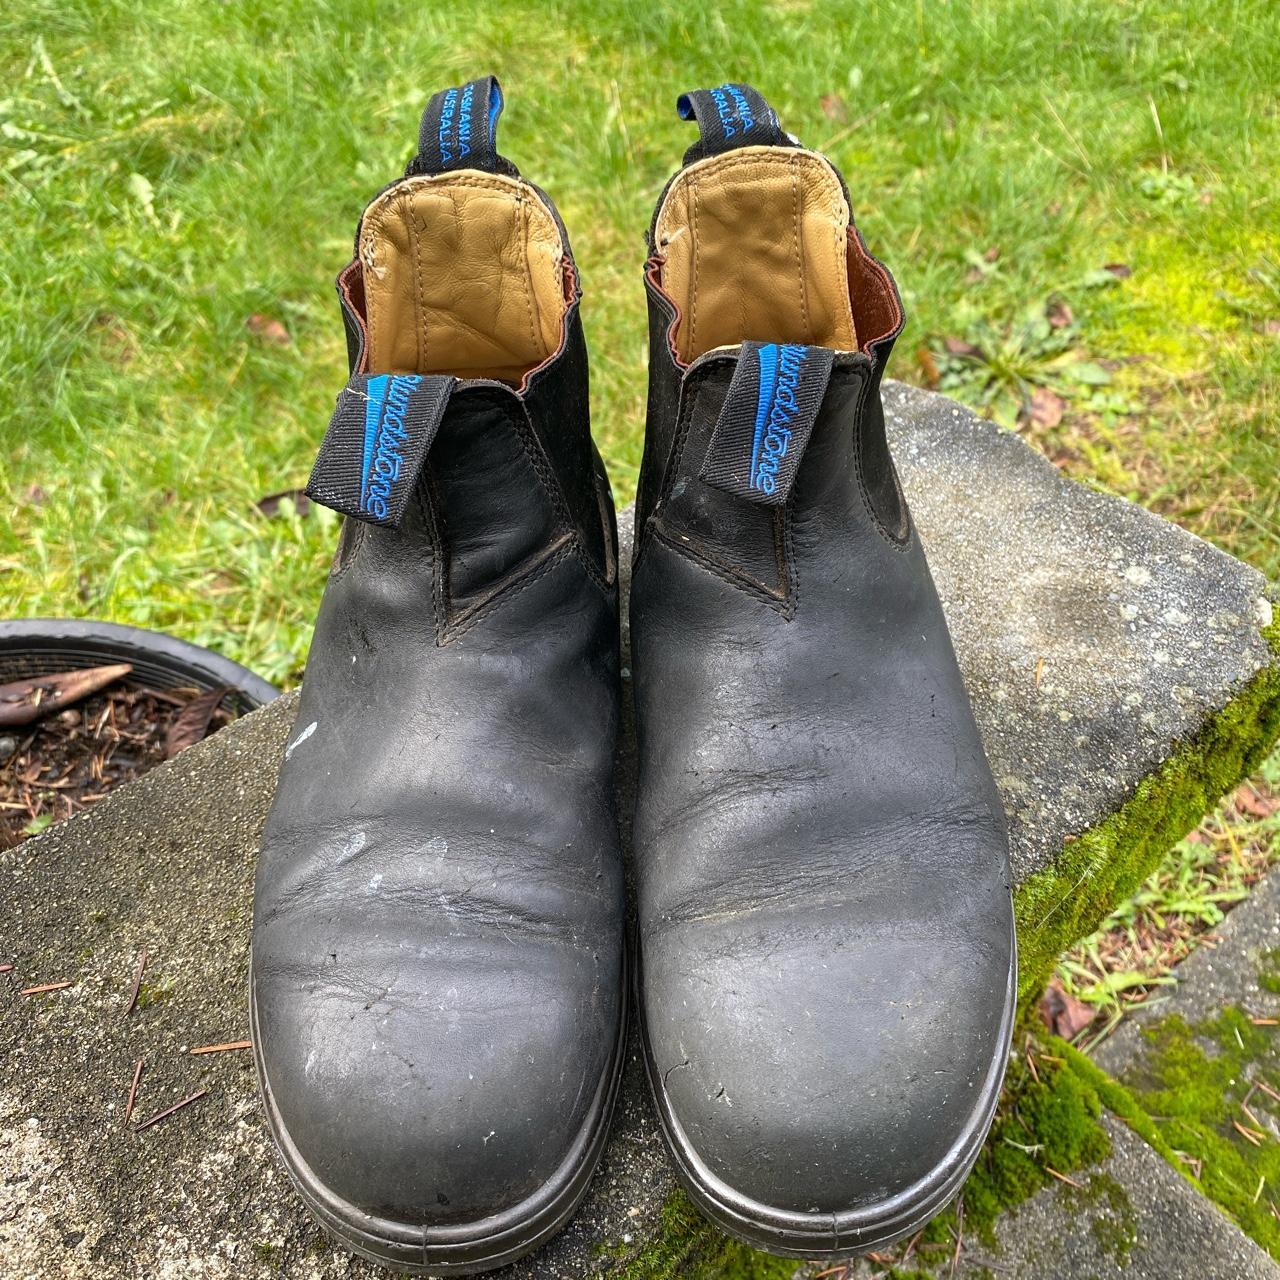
point(42, 646)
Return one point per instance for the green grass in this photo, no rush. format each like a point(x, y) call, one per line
point(1180, 905)
point(169, 169)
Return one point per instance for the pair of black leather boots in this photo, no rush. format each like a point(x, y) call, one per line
point(823, 949)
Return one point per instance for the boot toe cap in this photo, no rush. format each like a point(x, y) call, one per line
point(438, 1107)
point(808, 1072)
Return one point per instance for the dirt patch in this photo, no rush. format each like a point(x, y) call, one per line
point(69, 760)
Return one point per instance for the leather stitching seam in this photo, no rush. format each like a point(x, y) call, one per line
point(353, 549)
point(420, 315)
point(565, 524)
point(898, 544)
point(520, 229)
point(789, 566)
point(552, 557)
point(691, 345)
point(726, 573)
point(551, 487)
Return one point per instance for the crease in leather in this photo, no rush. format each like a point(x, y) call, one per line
point(754, 245)
point(846, 870)
point(452, 915)
point(500, 856)
point(463, 274)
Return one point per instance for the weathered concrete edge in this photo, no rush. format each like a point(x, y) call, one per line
point(1064, 902)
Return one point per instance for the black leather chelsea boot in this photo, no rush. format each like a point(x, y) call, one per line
point(436, 986)
point(826, 931)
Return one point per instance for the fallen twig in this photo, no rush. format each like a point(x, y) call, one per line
point(955, 1257)
point(137, 983)
point(23, 701)
point(133, 1090)
point(168, 1111)
point(1249, 1134)
point(47, 986)
point(224, 1048)
point(1062, 1177)
point(1253, 1120)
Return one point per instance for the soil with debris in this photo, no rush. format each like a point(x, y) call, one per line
point(72, 758)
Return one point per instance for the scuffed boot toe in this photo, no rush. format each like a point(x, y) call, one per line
point(824, 1094)
point(426, 1130)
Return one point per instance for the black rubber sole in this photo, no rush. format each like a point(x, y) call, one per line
point(468, 1248)
point(800, 1235)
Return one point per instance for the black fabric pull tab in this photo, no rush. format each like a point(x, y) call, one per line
point(377, 440)
point(460, 128)
point(767, 418)
point(731, 115)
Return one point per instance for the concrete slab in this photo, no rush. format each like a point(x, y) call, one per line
point(1092, 633)
point(1147, 637)
point(1131, 1217)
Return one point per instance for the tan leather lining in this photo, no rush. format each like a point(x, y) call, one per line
point(753, 246)
point(464, 275)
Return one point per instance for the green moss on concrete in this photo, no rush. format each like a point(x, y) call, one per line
point(1052, 1122)
point(153, 993)
point(1191, 1082)
point(1269, 978)
point(1121, 1103)
point(1115, 1224)
point(689, 1247)
point(1068, 900)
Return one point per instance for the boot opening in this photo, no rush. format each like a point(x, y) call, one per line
point(464, 273)
point(758, 245)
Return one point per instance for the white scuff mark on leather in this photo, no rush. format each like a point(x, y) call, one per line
point(301, 738)
point(489, 1135)
point(438, 846)
point(375, 883)
point(309, 1066)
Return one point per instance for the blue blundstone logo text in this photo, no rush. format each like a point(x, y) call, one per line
point(776, 408)
point(385, 434)
point(733, 108)
point(454, 133)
